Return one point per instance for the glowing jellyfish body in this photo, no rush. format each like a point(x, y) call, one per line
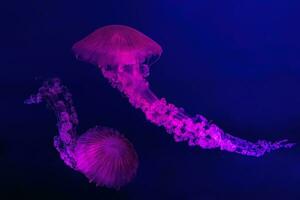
point(102, 154)
point(106, 157)
point(124, 55)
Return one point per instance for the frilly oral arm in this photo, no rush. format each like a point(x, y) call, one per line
point(59, 99)
point(198, 131)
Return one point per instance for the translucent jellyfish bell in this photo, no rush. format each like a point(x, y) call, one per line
point(117, 45)
point(106, 157)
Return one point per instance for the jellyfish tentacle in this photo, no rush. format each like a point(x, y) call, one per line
point(59, 99)
point(234, 144)
point(197, 131)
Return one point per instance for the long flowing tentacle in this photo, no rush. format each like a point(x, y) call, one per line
point(59, 99)
point(198, 131)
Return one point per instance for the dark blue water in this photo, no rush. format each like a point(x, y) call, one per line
point(237, 63)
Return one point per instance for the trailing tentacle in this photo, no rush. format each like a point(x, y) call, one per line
point(59, 99)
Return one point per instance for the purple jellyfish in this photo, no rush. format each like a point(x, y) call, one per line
point(124, 55)
point(118, 159)
point(102, 154)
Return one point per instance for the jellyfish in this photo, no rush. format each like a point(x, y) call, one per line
point(102, 154)
point(124, 56)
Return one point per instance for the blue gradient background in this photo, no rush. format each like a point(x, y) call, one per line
point(235, 62)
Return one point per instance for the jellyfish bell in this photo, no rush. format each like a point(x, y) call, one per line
point(117, 45)
point(106, 157)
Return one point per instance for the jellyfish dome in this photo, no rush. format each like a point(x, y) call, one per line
point(131, 46)
point(106, 157)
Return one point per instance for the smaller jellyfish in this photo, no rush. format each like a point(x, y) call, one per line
point(102, 154)
point(124, 56)
point(107, 151)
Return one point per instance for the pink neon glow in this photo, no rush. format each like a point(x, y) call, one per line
point(102, 154)
point(124, 55)
point(106, 157)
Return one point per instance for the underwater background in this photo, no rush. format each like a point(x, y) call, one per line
point(235, 62)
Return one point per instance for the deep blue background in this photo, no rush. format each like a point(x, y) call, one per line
point(235, 62)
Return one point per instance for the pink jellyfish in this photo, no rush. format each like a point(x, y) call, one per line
point(124, 55)
point(102, 154)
